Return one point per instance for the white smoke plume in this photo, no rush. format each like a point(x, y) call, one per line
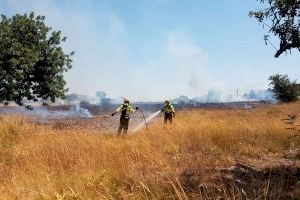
point(42, 114)
point(216, 96)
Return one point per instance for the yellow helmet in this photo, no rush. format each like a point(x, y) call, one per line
point(126, 100)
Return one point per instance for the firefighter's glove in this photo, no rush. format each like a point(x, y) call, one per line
point(162, 110)
point(174, 115)
point(137, 108)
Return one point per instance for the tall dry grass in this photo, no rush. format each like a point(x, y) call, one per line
point(37, 162)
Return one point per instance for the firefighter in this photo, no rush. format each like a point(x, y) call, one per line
point(125, 109)
point(169, 111)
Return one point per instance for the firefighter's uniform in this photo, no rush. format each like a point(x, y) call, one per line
point(169, 112)
point(125, 110)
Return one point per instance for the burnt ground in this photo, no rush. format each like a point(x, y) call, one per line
point(268, 177)
point(99, 123)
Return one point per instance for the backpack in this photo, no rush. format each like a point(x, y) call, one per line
point(124, 113)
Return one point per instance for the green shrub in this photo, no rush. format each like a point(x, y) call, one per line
point(284, 90)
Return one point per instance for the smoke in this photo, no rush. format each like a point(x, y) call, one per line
point(213, 95)
point(156, 63)
point(100, 99)
point(217, 96)
point(259, 95)
point(78, 111)
point(190, 60)
point(105, 53)
point(42, 114)
point(97, 35)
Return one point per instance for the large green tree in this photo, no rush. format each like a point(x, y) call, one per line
point(32, 61)
point(284, 90)
point(282, 18)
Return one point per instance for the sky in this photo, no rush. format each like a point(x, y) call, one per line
point(151, 50)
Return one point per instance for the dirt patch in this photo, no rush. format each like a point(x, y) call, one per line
point(273, 183)
point(245, 181)
point(99, 123)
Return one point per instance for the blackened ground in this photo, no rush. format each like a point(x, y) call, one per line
point(265, 178)
point(103, 123)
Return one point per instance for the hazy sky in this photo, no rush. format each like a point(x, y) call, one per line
point(158, 49)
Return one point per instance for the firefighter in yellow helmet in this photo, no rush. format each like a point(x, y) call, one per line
point(125, 109)
point(169, 111)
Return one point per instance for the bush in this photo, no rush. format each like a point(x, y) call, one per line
point(284, 90)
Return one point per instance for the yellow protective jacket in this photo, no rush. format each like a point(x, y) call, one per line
point(168, 108)
point(125, 110)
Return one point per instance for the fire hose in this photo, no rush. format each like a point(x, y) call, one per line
point(137, 108)
point(143, 117)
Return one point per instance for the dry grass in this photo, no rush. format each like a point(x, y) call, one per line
point(38, 162)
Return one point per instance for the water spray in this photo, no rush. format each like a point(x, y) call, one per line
point(148, 119)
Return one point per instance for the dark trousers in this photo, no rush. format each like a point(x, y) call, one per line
point(168, 117)
point(124, 123)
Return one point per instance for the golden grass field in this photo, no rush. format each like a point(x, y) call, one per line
point(187, 160)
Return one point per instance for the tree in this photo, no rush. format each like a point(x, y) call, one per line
point(100, 94)
point(282, 17)
point(284, 90)
point(71, 97)
point(32, 62)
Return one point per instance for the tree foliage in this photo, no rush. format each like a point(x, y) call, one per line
point(283, 89)
point(32, 62)
point(282, 17)
point(101, 94)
